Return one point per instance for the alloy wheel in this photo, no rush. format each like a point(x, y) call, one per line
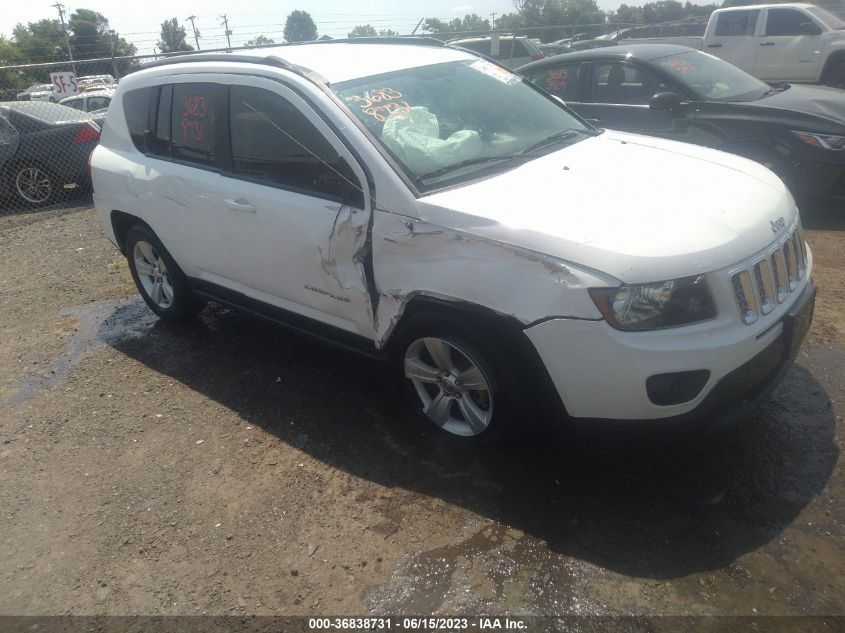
point(33, 185)
point(152, 273)
point(451, 385)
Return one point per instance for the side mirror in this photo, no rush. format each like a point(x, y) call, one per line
point(809, 28)
point(664, 101)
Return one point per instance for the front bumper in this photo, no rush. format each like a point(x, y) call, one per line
point(601, 373)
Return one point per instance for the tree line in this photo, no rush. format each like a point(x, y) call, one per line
point(90, 35)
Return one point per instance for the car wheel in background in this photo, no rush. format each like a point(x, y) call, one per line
point(783, 165)
point(161, 282)
point(33, 185)
point(459, 381)
point(836, 77)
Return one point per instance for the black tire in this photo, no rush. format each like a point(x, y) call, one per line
point(33, 185)
point(509, 416)
point(181, 305)
point(835, 78)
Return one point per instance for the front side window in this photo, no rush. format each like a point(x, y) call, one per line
point(449, 122)
point(193, 120)
point(786, 22)
point(737, 23)
point(621, 83)
point(273, 142)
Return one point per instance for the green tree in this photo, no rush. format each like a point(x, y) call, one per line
point(40, 41)
point(362, 30)
point(626, 14)
point(173, 37)
point(299, 27)
point(466, 26)
point(261, 40)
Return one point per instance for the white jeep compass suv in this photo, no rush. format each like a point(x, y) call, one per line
point(407, 199)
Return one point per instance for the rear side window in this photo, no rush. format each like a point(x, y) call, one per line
point(561, 81)
point(273, 142)
point(519, 49)
point(737, 23)
point(76, 104)
point(161, 145)
point(193, 120)
point(136, 108)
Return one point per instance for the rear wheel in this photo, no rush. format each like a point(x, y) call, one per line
point(836, 77)
point(161, 282)
point(33, 185)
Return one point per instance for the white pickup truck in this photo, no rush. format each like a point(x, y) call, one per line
point(773, 42)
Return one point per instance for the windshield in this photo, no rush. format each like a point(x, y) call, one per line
point(446, 123)
point(712, 79)
point(828, 18)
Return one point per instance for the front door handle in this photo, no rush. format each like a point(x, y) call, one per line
point(767, 43)
point(241, 204)
point(714, 46)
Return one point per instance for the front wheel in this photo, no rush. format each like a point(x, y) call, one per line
point(162, 284)
point(459, 382)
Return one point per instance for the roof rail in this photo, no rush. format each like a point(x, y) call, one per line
point(187, 58)
point(273, 60)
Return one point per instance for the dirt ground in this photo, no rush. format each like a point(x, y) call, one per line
point(233, 468)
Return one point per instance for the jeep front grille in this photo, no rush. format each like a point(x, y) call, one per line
point(769, 280)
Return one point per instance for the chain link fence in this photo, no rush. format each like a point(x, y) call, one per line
point(50, 121)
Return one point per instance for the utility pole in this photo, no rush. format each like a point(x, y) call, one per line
point(113, 49)
point(493, 20)
point(61, 9)
point(196, 33)
point(228, 33)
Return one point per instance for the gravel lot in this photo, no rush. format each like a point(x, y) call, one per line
point(233, 468)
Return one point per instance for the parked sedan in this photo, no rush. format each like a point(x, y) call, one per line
point(44, 147)
point(671, 91)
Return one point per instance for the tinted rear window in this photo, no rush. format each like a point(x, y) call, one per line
point(136, 106)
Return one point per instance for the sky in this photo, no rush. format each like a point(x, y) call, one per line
point(139, 21)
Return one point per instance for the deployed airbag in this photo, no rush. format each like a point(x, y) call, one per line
point(413, 134)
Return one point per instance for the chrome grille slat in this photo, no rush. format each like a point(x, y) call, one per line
point(768, 281)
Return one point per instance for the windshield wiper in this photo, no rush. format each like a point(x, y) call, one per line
point(466, 163)
point(557, 137)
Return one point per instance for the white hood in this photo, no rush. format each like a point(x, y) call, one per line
point(635, 207)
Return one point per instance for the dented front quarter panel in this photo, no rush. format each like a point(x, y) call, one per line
point(415, 258)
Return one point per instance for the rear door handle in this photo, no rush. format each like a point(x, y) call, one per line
point(241, 205)
point(767, 43)
point(714, 46)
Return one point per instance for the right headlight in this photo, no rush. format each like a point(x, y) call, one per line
point(656, 305)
